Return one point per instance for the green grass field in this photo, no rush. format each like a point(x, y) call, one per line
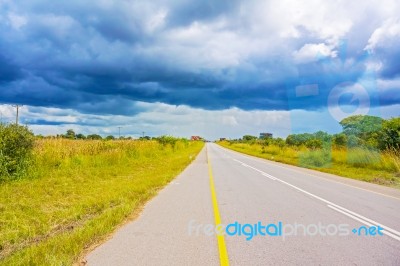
point(357, 163)
point(77, 192)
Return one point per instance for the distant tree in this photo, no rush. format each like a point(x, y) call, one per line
point(340, 140)
point(110, 137)
point(365, 127)
point(291, 140)
point(165, 140)
point(390, 135)
point(314, 144)
point(360, 125)
point(298, 139)
point(279, 142)
point(94, 137)
point(265, 141)
point(80, 136)
point(323, 136)
point(353, 141)
point(70, 134)
point(249, 137)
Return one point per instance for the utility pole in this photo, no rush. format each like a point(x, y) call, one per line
point(17, 106)
point(119, 132)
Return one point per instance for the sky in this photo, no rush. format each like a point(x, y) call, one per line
point(199, 67)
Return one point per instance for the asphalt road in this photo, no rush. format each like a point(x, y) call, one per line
point(309, 215)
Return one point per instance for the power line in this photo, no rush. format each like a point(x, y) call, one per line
point(119, 132)
point(16, 118)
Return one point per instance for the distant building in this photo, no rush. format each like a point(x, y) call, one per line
point(265, 135)
point(196, 138)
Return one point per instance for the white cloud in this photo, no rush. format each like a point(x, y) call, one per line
point(17, 21)
point(387, 84)
point(388, 31)
point(183, 121)
point(312, 52)
point(157, 20)
point(229, 120)
point(326, 20)
point(158, 119)
point(267, 29)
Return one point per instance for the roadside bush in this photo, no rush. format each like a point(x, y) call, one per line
point(165, 140)
point(316, 158)
point(16, 143)
point(361, 157)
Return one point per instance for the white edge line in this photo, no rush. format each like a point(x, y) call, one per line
point(393, 233)
point(265, 160)
point(364, 222)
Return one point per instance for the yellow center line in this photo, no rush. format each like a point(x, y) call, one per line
point(223, 254)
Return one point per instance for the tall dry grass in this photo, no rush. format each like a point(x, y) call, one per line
point(77, 192)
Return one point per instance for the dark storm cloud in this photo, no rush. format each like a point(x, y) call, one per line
point(99, 57)
point(45, 122)
point(8, 70)
point(391, 64)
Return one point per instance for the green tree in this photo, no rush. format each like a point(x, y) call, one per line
point(364, 127)
point(360, 124)
point(249, 137)
point(94, 137)
point(323, 136)
point(16, 143)
point(291, 140)
point(279, 142)
point(340, 140)
point(80, 136)
point(389, 137)
point(299, 139)
point(314, 144)
point(110, 137)
point(165, 140)
point(353, 141)
point(70, 134)
point(266, 142)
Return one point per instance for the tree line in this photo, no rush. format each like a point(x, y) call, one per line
point(358, 131)
point(70, 134)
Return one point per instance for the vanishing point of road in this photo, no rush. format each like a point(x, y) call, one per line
point(224, 187)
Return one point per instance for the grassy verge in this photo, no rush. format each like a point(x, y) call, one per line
point(80, 191)
point(370, 166)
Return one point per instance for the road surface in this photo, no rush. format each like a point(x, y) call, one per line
point(310, 217)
